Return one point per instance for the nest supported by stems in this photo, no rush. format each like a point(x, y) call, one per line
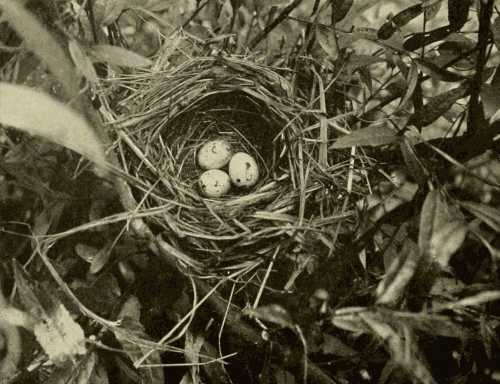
point(174, 111)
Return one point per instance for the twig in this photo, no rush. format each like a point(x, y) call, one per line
point(484, 16)
point(252, 337)
point(282, 16)
point(266, 277)
point(323, 136)
point(91, 16)
point(194, 14)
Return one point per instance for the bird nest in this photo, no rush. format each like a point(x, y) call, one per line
point(172, 113)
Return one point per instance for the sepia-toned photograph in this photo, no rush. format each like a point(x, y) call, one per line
point(249, 191)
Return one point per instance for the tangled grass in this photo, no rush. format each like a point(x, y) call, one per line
point(173, 112)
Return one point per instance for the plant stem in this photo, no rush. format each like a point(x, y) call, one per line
point(282, 16)
point(475, 113)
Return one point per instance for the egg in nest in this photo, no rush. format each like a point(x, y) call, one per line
point(214, 183)
point(214, 154)
point(243, 170)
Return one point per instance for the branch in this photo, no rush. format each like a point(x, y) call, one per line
point(241, 329)
point(282, 16)
point(475, 113)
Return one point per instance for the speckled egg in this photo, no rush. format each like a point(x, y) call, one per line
point(214, 154)
point(214, 183)
point(243, 170)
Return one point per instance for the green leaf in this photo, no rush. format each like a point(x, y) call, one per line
point(402, 345)
point(86, 252)
point(446, 241)
point(340, 8)
point(79, 373)
point(55, 330)
point(431, 8)
point(50, 119)
point(437, 106)
point(374, 135)
point(41, 42)
point(356, 62)
point(415, 165)
point(411, 81)
point(107, 12)
point(130, 314)
point(490, 97)
point(82, 61)
point(356, 10)
point(327, 41)
point(332, 345)
point(99, 375)
point(391, 288)
point(48, 217)
point(399, 20)
point(487, 214)
point(272, 313)
point(458, 11)
point(437, 72)
point(433, 216)
point(421, 39)
point(282, 376)
point(379, 206)
point(455, 45)
point(96, 257)
point(11, 347)
point(118, 56)
point(192, 348)
point(495, 29)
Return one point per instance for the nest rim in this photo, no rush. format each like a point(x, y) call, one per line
point(253, 221)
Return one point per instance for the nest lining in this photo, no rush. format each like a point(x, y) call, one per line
point(251, 106)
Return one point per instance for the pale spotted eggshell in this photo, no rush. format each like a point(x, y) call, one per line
point(243, 170)
point(214, 183)
point(214, 154)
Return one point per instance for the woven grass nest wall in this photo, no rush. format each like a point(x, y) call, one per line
point(173, 112)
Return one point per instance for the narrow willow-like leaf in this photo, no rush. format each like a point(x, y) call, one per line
point(421, 39)
point(401, 343)
point(411, 81)
point(374, 135)
point(458, 11)
point(495, 29)
point(487, 214)
point(357, 9)
point(107, 11)
point(446, 241)
point(130, 314)
point(437, 106)
point(82, 61)
point(431, 8)
point(327, 41)
point(434, 214)
point(490, 98)
point(10, 339)
point(55, 330)
point(43, 44)
point(392, 287)
point(415, 165)
point(399, 20)
point(273, 313)
point(39, 114)
point(118, 56)
point(340, 9)
point(437, 72)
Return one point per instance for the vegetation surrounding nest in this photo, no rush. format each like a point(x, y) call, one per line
point(252, 106)
point(367, 251)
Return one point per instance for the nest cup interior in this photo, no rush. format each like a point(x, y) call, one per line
point(234, 117)
point(175, 115)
